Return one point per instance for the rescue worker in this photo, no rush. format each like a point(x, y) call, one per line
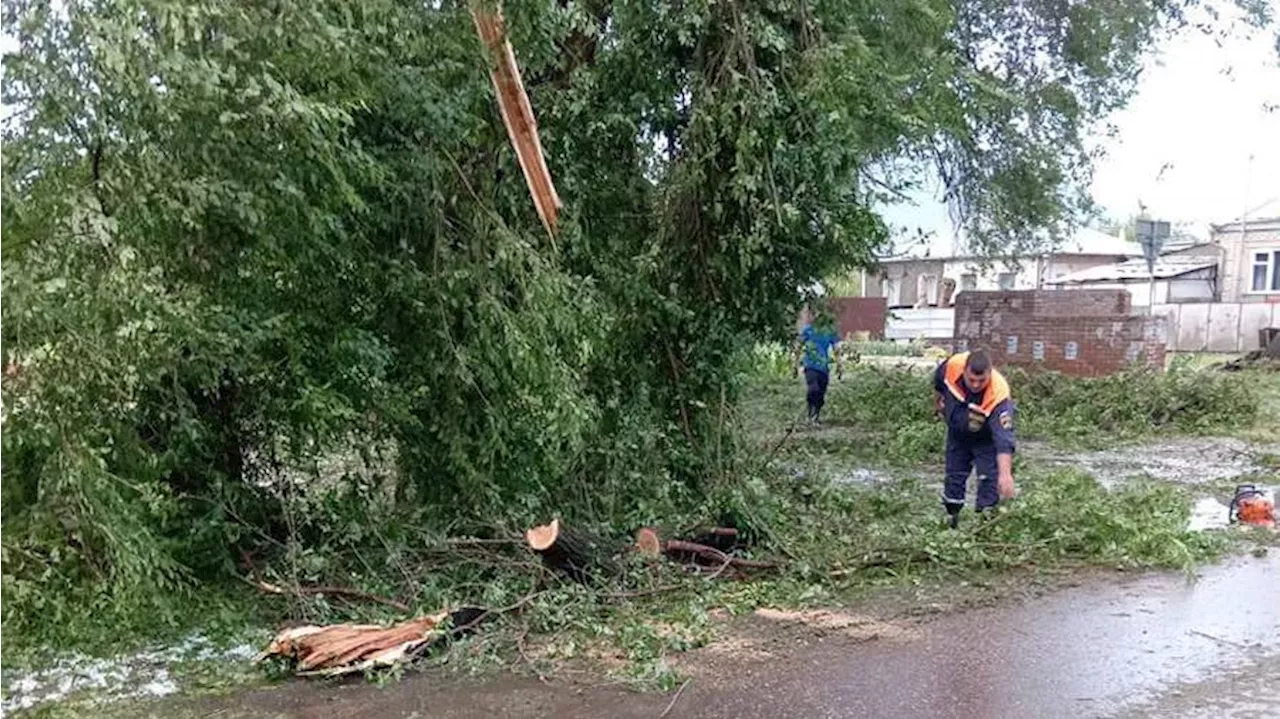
point(818, 341)
point(974, 400)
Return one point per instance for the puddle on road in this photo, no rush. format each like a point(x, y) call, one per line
point(1090, 652)
point(1193, 460)
point(1251, 691)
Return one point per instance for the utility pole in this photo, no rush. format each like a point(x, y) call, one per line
point(1244, 218)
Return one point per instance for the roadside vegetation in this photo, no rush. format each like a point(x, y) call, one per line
point(836, 539)
point(278, 308)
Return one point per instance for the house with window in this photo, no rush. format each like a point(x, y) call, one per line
point(1250, 259)
point(924, 279)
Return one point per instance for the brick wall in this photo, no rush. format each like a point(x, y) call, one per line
point(857, 314)
point(1076, 332)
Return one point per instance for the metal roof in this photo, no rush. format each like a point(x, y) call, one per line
point(1133, 270)
point(1251, 223)
point(1085, 241)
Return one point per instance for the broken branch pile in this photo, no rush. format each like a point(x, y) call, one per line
point(579, 555)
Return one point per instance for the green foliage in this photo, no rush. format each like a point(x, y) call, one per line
point(1062, 516)
point(772, 361)
point(243, 238)
point(889, 348)
point(1102, 410)
point(883, 416)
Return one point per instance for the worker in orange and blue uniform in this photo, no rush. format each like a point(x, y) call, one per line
point(975, 401)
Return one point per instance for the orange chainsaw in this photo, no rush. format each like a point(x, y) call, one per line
point(1252, 506)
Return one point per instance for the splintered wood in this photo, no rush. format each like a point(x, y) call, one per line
point(347, 648)
point(517, 113)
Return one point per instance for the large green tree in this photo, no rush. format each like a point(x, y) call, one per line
point(242, 234)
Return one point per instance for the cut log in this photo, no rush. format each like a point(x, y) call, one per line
point(648, 543)
point(577, 554)
point(725, 539)
point(346, 648)
point(541, 538)
point(681, 550)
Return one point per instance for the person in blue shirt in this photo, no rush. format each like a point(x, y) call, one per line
point(818, 342)
point(975, 401)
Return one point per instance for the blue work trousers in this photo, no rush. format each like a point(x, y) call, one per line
point(962, 458)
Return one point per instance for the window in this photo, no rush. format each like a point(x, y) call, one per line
point(1037, 350)
point(1006, 280)
point(1071, 351)
point(968, 281)
point(893, 291)
point(926, 290)
point(1011, 345)
point(1266, 271)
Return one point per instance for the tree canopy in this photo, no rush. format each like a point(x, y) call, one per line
point(242, 236)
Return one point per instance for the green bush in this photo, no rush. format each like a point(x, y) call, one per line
point(771, 361)
point(885, 348)
point(1132, 403)
point(896, 405)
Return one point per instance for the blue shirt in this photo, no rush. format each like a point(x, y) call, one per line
point(818, 345)
point(998, 428)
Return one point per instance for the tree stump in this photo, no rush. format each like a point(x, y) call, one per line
point(577, 554)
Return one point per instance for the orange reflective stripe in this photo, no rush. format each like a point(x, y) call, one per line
point(996, 392)
point(952, 374)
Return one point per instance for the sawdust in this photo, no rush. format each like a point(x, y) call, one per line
point(742, 648)
point(852, 626)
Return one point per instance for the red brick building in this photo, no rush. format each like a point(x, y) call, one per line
point(1078, 332)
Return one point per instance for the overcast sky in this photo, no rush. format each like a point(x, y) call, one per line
point(1200, 112)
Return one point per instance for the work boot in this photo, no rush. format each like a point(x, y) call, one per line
point(953, 521)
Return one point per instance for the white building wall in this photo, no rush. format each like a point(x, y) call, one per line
point(1237, 263)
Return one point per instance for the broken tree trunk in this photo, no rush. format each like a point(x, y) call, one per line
point(517, 113)
point(579, 555)
point(347, 648)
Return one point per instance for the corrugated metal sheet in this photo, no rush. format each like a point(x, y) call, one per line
point(929, 323)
